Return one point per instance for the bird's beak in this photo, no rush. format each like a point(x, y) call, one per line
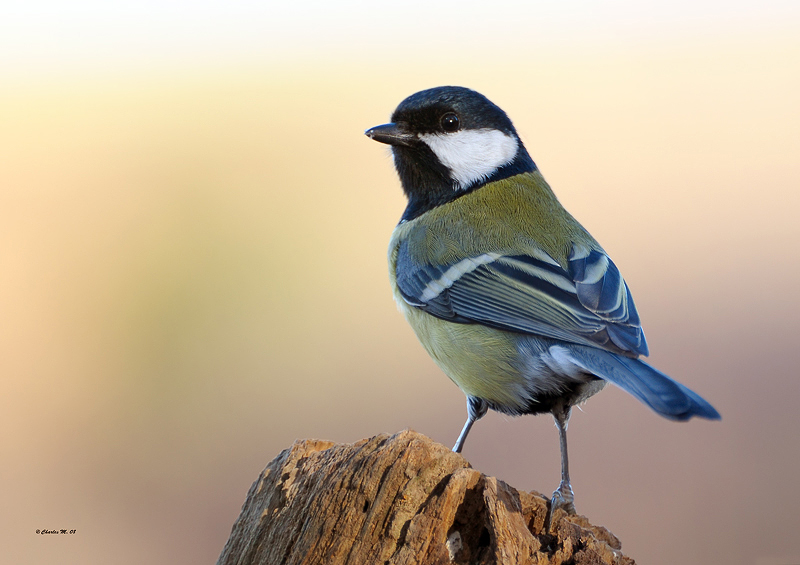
point(391, 134)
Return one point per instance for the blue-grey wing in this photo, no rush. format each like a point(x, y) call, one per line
point(586, 303)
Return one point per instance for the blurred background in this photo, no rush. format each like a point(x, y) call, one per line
point(193, 235)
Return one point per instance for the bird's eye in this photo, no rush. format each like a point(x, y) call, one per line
point(450, 122)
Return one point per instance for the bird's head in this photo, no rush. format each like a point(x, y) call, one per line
point(447, 141)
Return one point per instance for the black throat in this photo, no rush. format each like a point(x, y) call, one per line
point(427, 182)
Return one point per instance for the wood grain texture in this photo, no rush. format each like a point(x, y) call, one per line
point(401, 499)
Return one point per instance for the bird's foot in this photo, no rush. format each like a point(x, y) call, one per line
point(563, 498)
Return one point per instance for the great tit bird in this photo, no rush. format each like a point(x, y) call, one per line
point(512, 298)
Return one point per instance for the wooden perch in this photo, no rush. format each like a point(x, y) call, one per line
point(401, 499)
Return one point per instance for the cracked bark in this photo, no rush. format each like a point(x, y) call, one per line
point(401, 499)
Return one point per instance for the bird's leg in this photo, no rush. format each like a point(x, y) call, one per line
point(476, 409)
point(563, 497)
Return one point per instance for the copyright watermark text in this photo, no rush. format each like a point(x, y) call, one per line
point(57, 532)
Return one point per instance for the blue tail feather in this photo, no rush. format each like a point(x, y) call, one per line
point(669, 398)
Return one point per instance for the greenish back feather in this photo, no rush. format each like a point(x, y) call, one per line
point(492, 219)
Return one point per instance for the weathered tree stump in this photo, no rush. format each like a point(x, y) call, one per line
point(401, 499)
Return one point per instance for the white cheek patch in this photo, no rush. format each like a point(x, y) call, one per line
point(472, 154)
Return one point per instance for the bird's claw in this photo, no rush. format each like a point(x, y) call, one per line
point(563, 498)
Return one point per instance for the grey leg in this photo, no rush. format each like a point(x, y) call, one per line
point(563, 496)
point(476, 409)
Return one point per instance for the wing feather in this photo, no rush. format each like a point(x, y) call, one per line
point(587, 303)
